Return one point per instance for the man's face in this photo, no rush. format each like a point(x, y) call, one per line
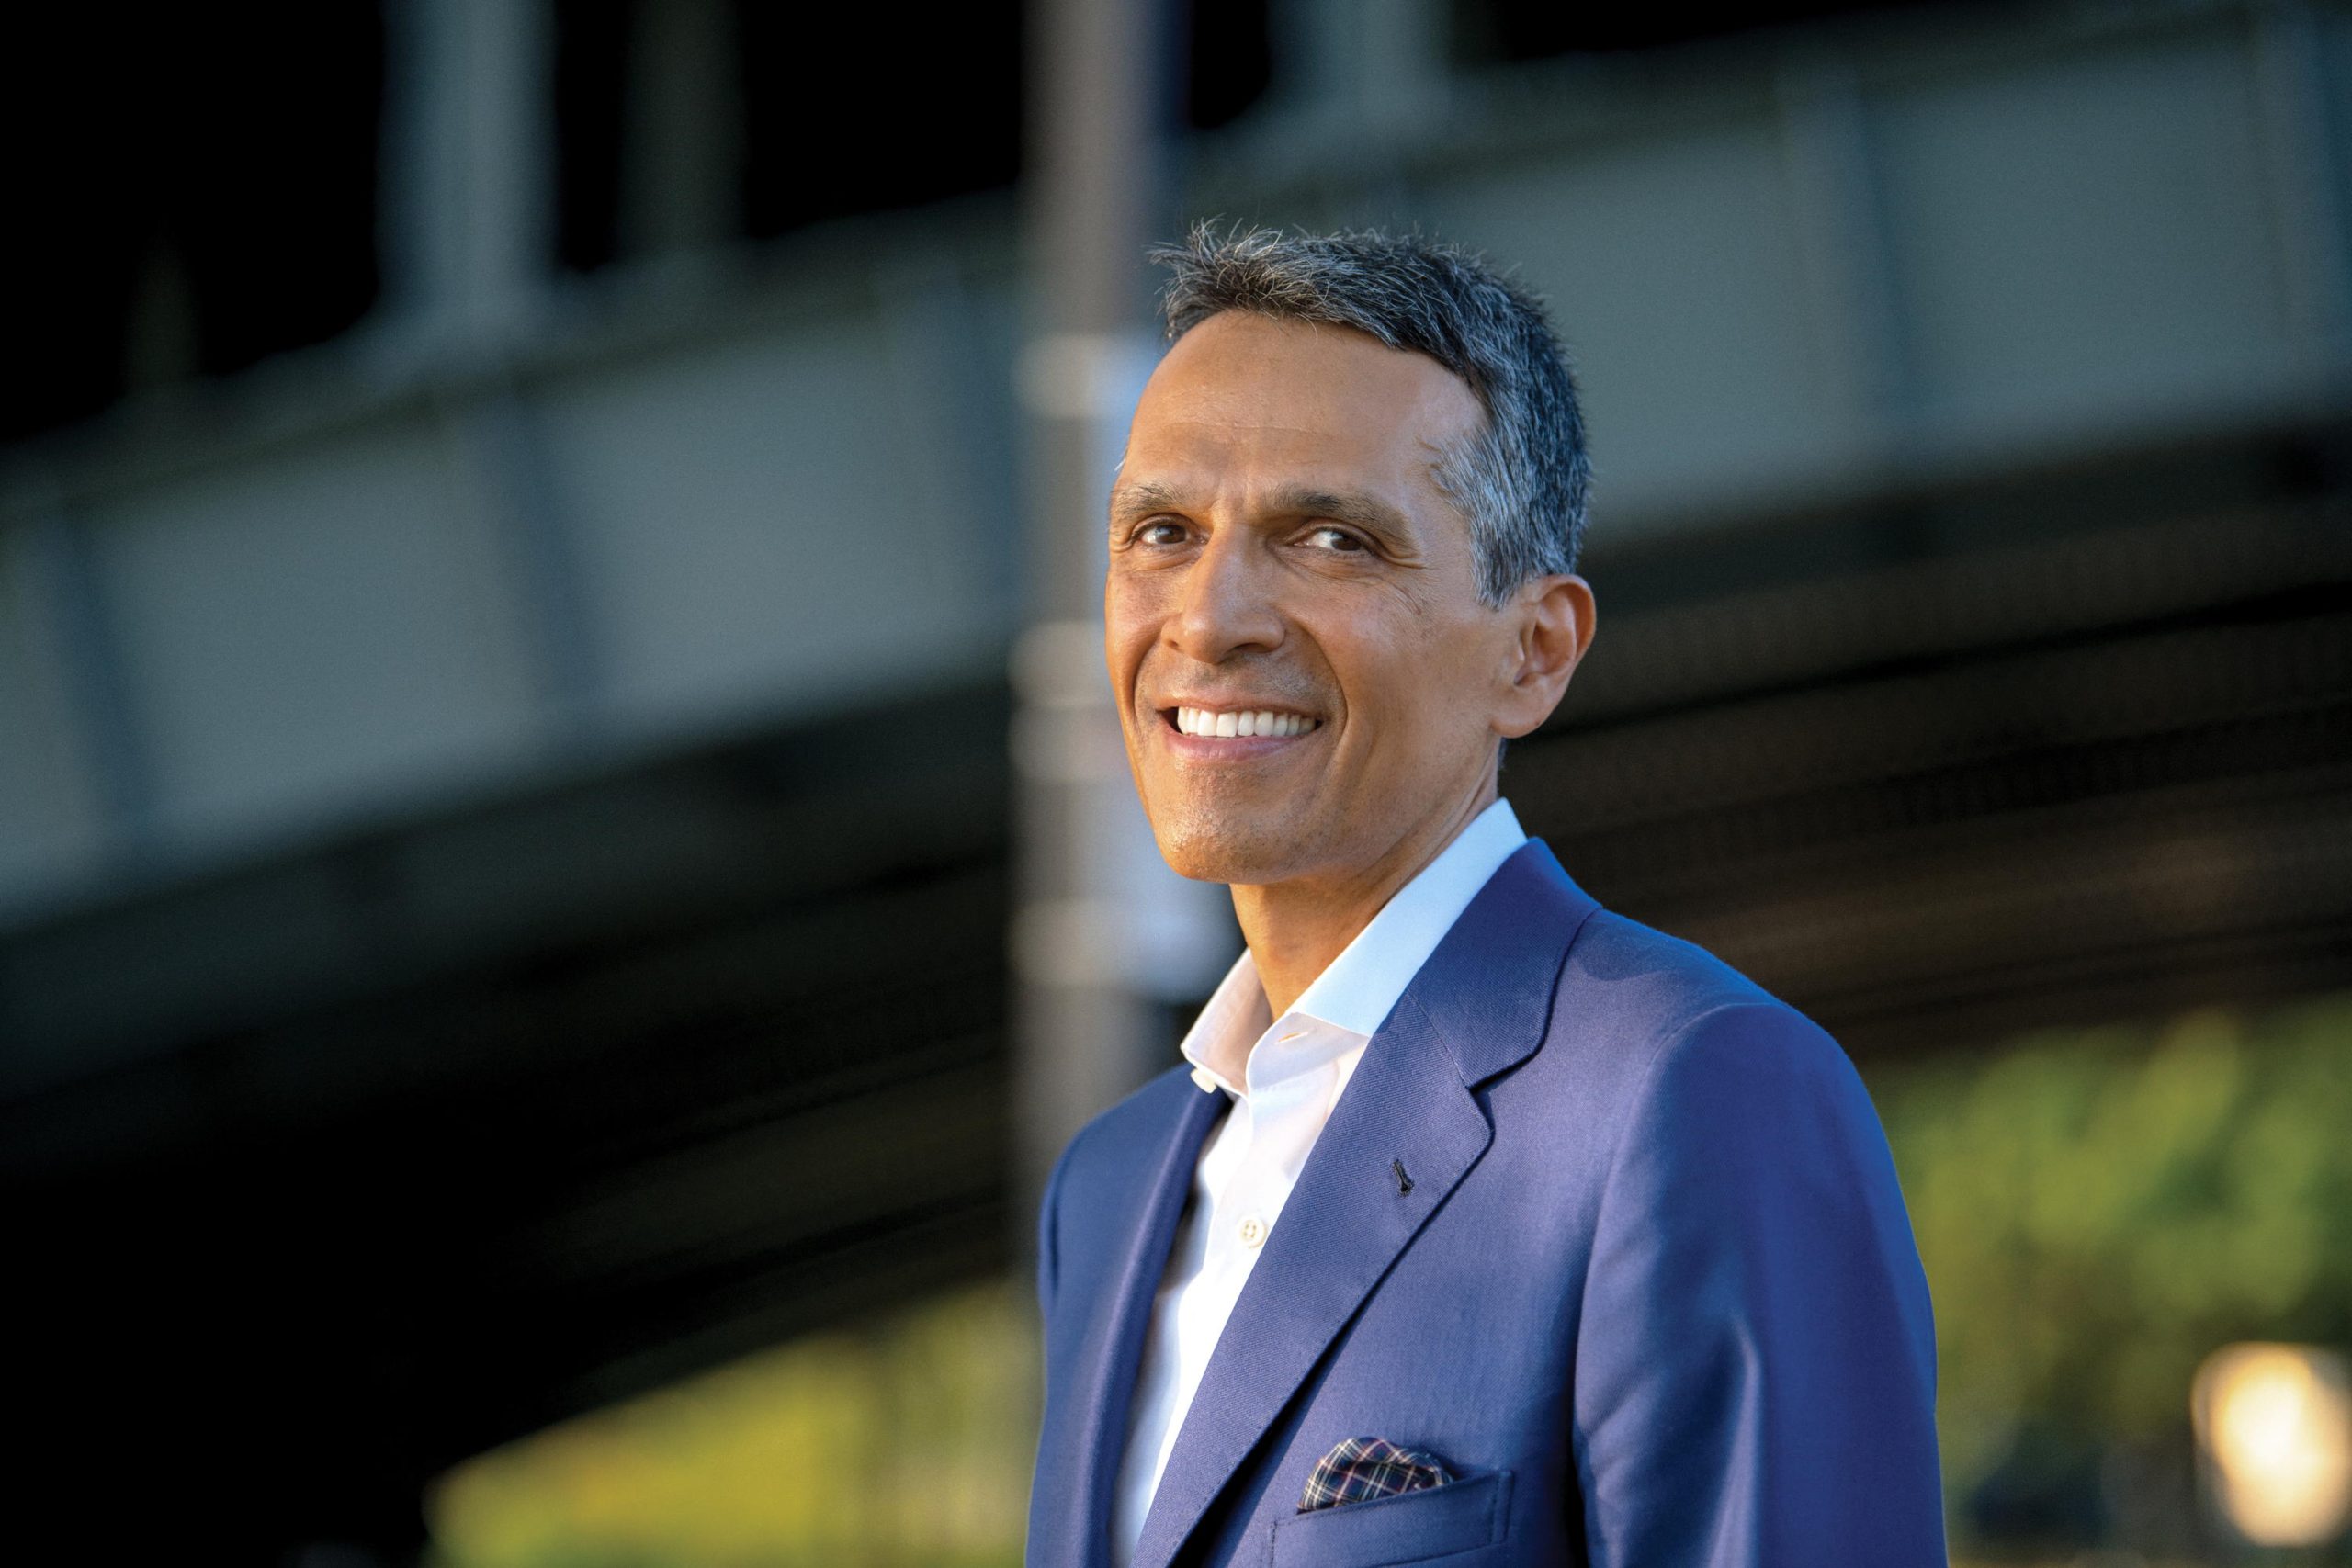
point(1279, 545)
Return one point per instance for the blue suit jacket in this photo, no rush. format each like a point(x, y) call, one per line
point(1652, 1295)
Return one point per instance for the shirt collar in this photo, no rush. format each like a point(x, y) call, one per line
point(1356, 992)
point(1237, 1014)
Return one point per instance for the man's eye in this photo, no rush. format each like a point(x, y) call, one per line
point(1339, 541)
point(1162, 533)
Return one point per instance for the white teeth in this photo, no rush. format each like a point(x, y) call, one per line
point(1200, 721)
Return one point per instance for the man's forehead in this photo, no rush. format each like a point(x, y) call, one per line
point(1199, 468)
point(1239, 362)
point(1259, 331)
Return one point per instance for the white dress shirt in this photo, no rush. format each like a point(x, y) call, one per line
point(1284, 1076)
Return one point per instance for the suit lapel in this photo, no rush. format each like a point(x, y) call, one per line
point(1343, 1225)
point(1478, 1006)
point(1103, 1387)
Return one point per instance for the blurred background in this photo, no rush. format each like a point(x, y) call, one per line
point(563, 855)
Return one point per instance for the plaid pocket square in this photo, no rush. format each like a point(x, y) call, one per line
point(1360, 1469)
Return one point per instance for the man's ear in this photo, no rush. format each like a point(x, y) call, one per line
point(1555, 624)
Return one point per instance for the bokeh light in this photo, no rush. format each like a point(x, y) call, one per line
point(2276, 1422)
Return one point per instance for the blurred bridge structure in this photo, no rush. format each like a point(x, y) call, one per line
point(505, 813)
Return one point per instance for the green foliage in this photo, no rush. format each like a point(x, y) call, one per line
point(2100, 1210)
point(905, 1441)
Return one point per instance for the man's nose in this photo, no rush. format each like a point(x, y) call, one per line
point(1227, 604)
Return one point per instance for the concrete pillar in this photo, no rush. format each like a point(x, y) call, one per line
point(468, 229)
point(682, 150)
point(1100, 922)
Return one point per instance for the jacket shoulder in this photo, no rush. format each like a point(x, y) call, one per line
point(1636, 1011)
point(1633, 980)
point(1129, 1127)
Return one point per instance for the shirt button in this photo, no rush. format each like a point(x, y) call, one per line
point(1253, 1231)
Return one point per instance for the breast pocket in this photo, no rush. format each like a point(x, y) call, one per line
point(1412, 1526)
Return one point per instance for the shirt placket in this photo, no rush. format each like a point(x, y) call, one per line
point(1281, 1112)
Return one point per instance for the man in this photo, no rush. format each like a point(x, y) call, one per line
point(1482, 1226)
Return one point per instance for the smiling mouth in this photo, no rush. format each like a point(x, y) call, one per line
point(1238, 723)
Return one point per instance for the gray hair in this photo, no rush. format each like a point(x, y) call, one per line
point(1522, 480)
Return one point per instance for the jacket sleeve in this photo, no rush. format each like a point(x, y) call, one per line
point(1754, 1369)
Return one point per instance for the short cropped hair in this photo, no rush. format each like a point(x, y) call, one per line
point(1522, 478)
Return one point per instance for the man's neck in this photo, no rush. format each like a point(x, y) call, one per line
point(1295, 928)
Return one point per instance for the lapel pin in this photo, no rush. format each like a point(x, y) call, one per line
point(1404, 1182)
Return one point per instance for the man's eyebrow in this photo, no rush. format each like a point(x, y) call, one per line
point(1145, 495)
point(1362, 510)
point(1376, 517)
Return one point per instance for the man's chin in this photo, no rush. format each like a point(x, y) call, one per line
point(1251, 854)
